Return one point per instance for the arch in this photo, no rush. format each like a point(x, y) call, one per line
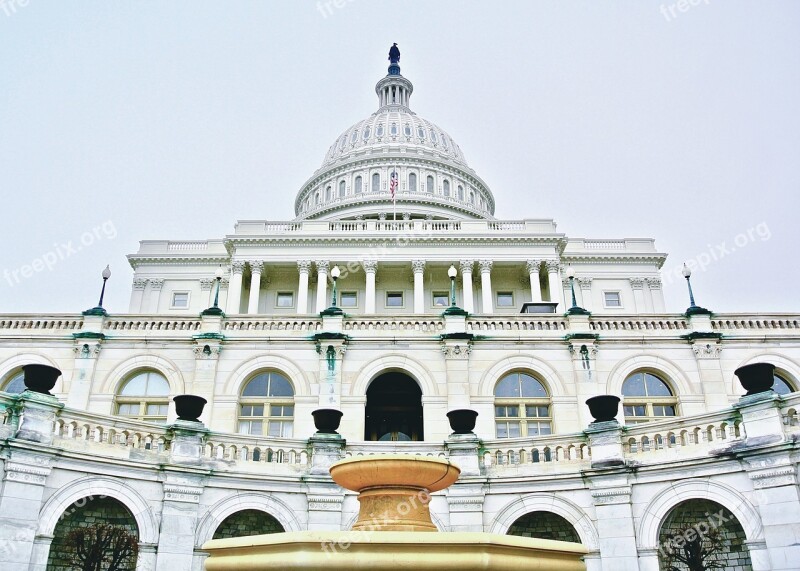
point(10, 366)
point(553, 382)
point(783, 365)
point(676, 492)
point(233, 385)
point(541, 502)
point(266, 503)
point(666, 369)
point(394, 362)
point(122, 371)
point(114, 488)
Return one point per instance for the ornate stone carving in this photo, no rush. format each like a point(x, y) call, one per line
point(304, 266)
point(325, 503)
point(224, 283)
point(612, 496)
point(653, 283)
point(779, 476)
point(486, 266)
point(456, 351)
point(156, 283)
point(370, 266)
point(553, 266)
point(256, 266)
point(182, 493)
point(637, 283)
point(207, 351)
point(139, 283)
point(406, 216)
point(206, 283)
point(584, 283)
point(382, 216)
point(418, 266)
point(237, 266)
point(533, 266)
point(86, 350)
point(466, 266)
point(322, 266)
point(707, 350)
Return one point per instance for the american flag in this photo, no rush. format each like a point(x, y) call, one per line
point(393, 184)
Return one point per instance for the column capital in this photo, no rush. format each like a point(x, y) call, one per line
point(322, 266)
point(533, 266)
point(418, 266)
point(206, 284)
point(584, 283)
point(486, 266)
point(466, 266)
point(237, 266)
point(139, 283)
point(156, 283)
point(653, 283)
point(553, 266)
point(304, 266)
point(370, 266)
point(637, 283)
point(256, 266)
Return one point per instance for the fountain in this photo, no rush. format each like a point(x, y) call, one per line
point(394, 492)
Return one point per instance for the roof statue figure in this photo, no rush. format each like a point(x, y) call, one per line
point(394, 54)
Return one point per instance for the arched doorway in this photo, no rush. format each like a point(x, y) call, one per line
point(247, 522)
point(94, 533)
point(394, 409)
point(544, 525)
point(700, 534)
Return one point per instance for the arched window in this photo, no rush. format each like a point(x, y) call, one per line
point(781, 385)
point(446, 188)
point(379, 131)
point(412, 182)
point(376, 182)
point(358, 185)
point(144, 396)
point(460, 192)
point(341, 189)
point(407, 130)
point(15, 383)
point(267, 406)
point(354, 137)
point(434, 138)
point(472, 197)
point(393, 129)
point(647, 397)
point(367, 131)
point(316, 197)
point(327, 193)
point(421, 133)
point(521, 406)
point(429, 184)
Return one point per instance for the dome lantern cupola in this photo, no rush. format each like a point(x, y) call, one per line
point(394, 89)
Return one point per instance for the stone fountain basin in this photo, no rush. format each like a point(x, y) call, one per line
point(392, 550)
point(394, 470)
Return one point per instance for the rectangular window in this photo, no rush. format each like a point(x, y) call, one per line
point(508, 430)
point(180, 300)
point(441, 299)
point(539, 428)
point(348, 299)
point(394, 299)
point(280, 428)
point(285, 299)
point(505, 299)
point(636, 410)
point(612, 299)
point(251, 427)
point(663, 410)
point(128, 409)
point(532, 411)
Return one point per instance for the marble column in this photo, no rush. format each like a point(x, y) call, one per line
point(304, 268)
point(637, 285)
point(137, 293)
point(155, 294)
point(486, 285)
point(554, 281)
point(419, 285)
point(207, 285)
point(235, 287)
point(466, 285)
point(322, 285)
point(656, 294)
point(533, 274)
point(370, 267)
point(585, 285)
point(256, 269)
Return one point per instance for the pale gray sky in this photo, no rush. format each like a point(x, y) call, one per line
point(146, 120)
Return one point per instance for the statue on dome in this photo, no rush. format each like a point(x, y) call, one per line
point(394, 54)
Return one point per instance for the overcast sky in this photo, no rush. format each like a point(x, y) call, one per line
point(122, 121)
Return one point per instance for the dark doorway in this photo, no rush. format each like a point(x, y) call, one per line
point(394, 409)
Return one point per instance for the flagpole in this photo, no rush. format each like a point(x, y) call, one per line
point(394, 196)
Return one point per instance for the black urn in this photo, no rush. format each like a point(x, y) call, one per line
point(40, 378)
point(189, 407)
point(462, 420)
point(327, 420)
point(756, 378)
point(603, 408)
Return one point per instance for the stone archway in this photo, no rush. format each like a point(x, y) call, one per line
point(394, 408)
point(247, 522)
point(544, 525)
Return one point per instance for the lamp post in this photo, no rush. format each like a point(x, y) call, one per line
point(693, 309)
point(99, 309)
point(575, 309)
point(452, 272)
point(215, 309)
point(333, 309)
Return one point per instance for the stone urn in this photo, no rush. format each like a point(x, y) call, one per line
point(189, 407)
point(327, 420)
point(462, 420)
point(756, 378)
point(603, 408)
point(40, 378)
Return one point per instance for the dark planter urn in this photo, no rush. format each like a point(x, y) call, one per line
point(756, 378)
point(462, 420)
point(40, 378)
point(189, 407)
point(604, 408)
point(327, 420)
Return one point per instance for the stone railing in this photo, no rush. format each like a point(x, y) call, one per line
point(790, 412)
point(263, 323)
point(151, 323)
point(243, 449)
point(51, 323)
point(514, 323)
point(744, 323)
point(429, 449)
point(670, 324)
point(431, 325)
point(566, 451)
point(74, 429)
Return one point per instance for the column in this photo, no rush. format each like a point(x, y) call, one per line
point(466, 285)
point(611, 495)
point(656, 294)
point(303, 267)
point(370, 267)
point(80, 385)
point(256, 268)
point(136, 295)
point(585, 285)
point(179, 515)
point(637, 285)
point(533, 273)
point(207, 285)
point(419, 285)
point(155, 294)
point(322, 285)
point(486, 285)
point(235, 288)
point(554, 281)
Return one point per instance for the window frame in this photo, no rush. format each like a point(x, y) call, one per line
point(284, 293)
point(354, 293)
point(442, 293)
point(12, 378)
point(402, 295)
point(143, 401)
point(619, 298)
point(267, 404)
point(648, 401)
point(522, 404)
point(188, 295)
point(504, 293)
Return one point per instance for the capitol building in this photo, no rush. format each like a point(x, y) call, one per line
point(395, 296)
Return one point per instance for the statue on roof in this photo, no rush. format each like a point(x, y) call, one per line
point(394, 54)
